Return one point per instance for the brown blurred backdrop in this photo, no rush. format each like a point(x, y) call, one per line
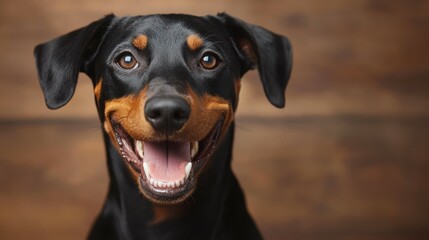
point(346, 159)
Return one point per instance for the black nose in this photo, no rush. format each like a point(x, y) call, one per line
point(167, 114)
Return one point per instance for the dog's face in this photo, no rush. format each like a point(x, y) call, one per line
point(166, 88)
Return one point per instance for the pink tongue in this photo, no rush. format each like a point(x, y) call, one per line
point(167, 160)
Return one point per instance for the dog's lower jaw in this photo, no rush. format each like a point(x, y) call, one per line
point(216, 204)
point(181, 163)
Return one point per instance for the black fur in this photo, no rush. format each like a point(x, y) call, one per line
point(217, 209)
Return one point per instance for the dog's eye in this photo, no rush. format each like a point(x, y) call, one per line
point(127, 61)
point(209, 61)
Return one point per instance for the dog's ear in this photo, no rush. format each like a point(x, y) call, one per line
point(60, 60)
point(269, 52)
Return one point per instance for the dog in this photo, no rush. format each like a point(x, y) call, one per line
point(166, 89)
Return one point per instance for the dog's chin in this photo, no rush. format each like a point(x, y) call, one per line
point(167, 171)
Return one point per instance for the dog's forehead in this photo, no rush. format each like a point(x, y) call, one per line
point(171, 29)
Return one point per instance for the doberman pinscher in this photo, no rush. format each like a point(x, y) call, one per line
point(166, 89)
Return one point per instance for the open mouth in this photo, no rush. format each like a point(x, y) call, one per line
point(167, 169)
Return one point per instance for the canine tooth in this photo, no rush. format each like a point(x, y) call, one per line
point(146, 169)
point(194, 149)
point(139, 148)
point(188, 169)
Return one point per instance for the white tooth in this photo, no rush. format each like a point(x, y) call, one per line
point(156, 183)
point(164, 185)
point(151, 181)
point(194, 149)
point(182, 181)
point(139, 148)
point(188, 169)
point(177, 183)
point(146, 169)
point(171, 184)
point(128, 147)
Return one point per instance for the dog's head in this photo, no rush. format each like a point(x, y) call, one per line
point(166, 87)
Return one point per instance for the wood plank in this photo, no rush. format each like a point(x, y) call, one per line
point(54, 180)
point(304, 178)
point(336, 178)
point(359, 57)
point(346, 159)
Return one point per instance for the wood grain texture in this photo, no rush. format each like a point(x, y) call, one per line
point(346, 159)
point(354, 57)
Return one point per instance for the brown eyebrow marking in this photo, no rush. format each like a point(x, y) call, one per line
point(140, 41)
point(194, 42)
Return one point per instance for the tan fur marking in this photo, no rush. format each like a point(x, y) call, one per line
point(237, 88)
point(140, 42)
point(194, 42)
point(97, 91)
point(127, 111)
point(206, 111)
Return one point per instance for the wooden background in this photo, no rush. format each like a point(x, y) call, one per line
point(346, 159)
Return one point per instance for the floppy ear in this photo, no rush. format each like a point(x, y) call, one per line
point(269, 52)
point(60, 60)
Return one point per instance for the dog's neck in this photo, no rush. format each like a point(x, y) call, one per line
point(217, 196)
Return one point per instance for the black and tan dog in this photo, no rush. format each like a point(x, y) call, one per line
point(166, 89)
